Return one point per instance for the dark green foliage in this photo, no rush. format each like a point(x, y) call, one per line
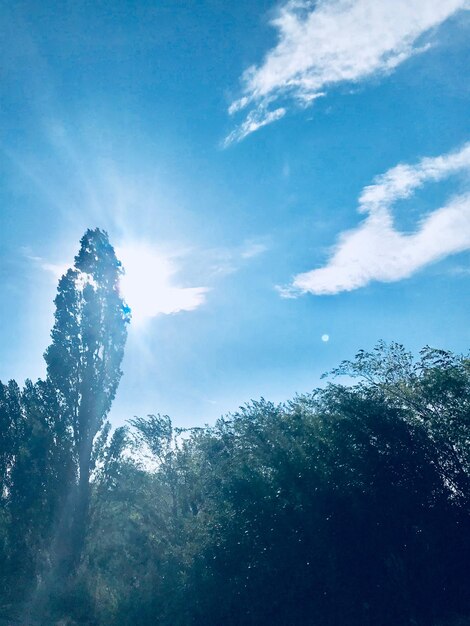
point(347, 506)
point(330, 510)
point(36, 470)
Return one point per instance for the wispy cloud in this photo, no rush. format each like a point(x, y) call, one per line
point(376, 250)
point(223, 261)
point(253, 248)
point(255, 120)
point(56, 269)
point(328, 42)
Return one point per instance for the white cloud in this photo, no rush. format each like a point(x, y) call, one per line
point(376, 250)
point(56, 269)
point(255, 120)
point(252, 249)
point(325, 338)
point(220, 262)
point(328, 42)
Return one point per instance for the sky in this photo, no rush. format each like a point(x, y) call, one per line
point(284, 182)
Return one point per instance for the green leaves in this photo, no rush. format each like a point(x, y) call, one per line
point(348, 505)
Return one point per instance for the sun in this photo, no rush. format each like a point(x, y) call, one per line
point(148, 284)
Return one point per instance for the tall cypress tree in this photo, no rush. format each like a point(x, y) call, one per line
point(84, 362)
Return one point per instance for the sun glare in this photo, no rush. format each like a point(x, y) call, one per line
point(147, 285)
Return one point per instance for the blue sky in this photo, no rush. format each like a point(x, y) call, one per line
point(287, 182)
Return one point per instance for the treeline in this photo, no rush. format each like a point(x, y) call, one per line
point(347, 506)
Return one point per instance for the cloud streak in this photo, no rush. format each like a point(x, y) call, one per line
point(376, 250)
point(325, 43)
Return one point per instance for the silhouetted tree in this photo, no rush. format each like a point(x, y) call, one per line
point(83, 361)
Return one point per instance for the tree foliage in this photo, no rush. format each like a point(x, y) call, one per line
point(344, 506)
point(83, 365)
point(348, 505)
